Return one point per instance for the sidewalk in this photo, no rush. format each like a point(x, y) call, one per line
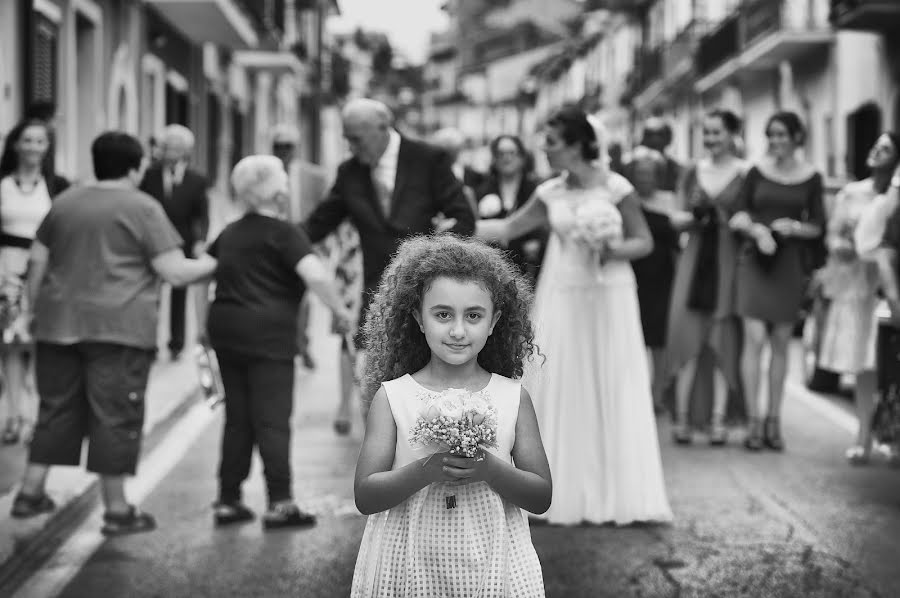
point(171, 384)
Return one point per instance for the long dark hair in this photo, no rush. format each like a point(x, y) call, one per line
point(9, 161)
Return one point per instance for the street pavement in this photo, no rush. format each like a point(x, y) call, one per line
point(801, 523)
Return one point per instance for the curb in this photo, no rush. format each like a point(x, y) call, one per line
point(30, 552)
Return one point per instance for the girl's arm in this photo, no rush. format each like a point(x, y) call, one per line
point(638, 241)
point(376, 487)
point(526, 484)
point(531, 216)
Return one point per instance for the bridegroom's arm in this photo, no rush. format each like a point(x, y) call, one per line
point(450, 198)
point(329, 214)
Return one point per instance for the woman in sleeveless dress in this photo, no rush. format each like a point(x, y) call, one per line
point(592, 392)
point(702, 322)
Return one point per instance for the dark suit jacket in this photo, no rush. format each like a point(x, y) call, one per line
point(490, 186)
point(424, 186)
point(188, 206)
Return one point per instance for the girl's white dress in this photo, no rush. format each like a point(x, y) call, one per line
point(592, 393)
point(420, 548)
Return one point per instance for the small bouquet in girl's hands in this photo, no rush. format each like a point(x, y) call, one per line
point(457, 421)
point(596, 224)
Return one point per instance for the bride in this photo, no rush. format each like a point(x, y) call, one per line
point(592, 393)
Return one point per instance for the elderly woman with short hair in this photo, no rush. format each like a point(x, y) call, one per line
point(264, 265)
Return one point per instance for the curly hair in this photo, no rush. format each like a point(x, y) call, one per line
point(395, 345)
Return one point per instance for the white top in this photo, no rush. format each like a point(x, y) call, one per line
point(21, 213)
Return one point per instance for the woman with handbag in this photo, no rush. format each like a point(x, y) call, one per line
point(781, 215)
point(26, 188)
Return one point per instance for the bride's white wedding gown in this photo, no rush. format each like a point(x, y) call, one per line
point(592, 394)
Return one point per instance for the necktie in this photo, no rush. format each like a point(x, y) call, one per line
point(169, 182)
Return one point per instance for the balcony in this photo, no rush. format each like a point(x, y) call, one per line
point(649, 80)
point(221, 22)
point(678, 59)
point(868, 15)
point(765, 33)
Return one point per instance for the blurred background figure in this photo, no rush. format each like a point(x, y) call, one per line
point(616, 163)
point(453, 142)
point(849, 283)
point(655, 272)
point(27, 186)
point(657, 135)
point(509, 185)
point(781, 215)
point(182, 191)
point(285, 141)
point(702, 322)
point(263, 267)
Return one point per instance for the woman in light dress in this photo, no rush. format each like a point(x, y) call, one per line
point(592, 392)
point(850, 282)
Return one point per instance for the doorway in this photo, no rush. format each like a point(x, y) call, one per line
point(863, 129)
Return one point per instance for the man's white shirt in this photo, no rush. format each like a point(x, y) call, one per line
point(385, 171)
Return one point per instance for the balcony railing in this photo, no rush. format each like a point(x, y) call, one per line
point(679, 54)
point(872, 15)
point(720, 45)
point(649, 68)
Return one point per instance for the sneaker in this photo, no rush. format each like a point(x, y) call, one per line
point(286, 514)
point(132, 522)
point(25, 506)
point(225, 513)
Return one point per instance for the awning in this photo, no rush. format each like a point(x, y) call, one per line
point(221, 22)
point(276, 63)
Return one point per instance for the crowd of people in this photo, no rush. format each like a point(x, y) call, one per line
point(618, 285)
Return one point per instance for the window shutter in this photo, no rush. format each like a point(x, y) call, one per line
point(44, 62)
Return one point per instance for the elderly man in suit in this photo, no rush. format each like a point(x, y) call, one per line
point(391, 187)
point(182, 191)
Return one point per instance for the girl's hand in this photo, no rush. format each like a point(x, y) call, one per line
point(466, 470)
point(681, 219)
point(435, 468)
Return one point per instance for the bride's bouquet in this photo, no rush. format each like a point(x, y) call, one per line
point(457, 421)
point(596, 224)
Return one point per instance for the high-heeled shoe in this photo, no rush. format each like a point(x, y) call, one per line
point(857, 455)
point(718, 435)
point(772, 434)
point(753, 442)
point(681, 434)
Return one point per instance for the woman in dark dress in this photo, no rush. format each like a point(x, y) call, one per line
point(782, 217)
point(655, 272)
point(509, 185)
point(264, 265)
point(704, 332)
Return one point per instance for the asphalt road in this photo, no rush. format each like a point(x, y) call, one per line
point(802, 523)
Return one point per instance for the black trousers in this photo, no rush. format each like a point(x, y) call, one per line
point(259, 399)
point(176, 319)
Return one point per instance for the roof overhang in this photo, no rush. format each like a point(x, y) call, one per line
point(221, 22)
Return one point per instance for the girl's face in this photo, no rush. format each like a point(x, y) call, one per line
point(716, 138)
point(781, 143)
point(883, 155)
point(32, 146)
point(507, 159)
point(559, 155)
point(457, 318)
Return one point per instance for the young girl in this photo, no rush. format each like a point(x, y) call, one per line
point(449, 313)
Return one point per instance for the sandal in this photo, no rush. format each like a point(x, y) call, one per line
point(25, 506)
point(282, 515)
point(753, 442)
point(132, 522)
point(226, 513)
